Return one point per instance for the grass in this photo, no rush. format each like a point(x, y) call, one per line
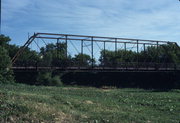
point(23, 103)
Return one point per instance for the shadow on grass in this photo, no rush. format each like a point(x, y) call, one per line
point(156, 82)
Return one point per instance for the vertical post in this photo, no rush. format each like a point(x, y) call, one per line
point(125, 55)
point(104, 53)
point(137, 54)
point(66, 46)
point(158, 60)
point(144, 61)
point(92, 52)
point(82, 51)
point(144, 47)
point(82, 42)
point(125, 46)
point(137, 46)
point(157, 51)
point(116, 45)
point(57, 52)
point(115, 52)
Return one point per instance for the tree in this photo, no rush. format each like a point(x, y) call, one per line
point(168, 53)
point(55, 54)
point(47, 78)
point(6, 74)
point(4, 40)
point(82, 60)
point(112, 58)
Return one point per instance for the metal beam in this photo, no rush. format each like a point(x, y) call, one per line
point(20, 51)
point(95, 40)
point(102, 37)
point(104, 54)
point(66, 37)
point(92, 52)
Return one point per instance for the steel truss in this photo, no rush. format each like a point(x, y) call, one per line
point(126, 44)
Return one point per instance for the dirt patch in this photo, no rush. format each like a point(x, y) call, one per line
point(88, 102)
point(71, 88)
point(63, 118)
point(58, 116)
point(2, 95)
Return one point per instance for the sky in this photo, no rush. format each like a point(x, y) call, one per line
point(142, 19)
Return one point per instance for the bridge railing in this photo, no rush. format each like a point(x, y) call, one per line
point(119, 66)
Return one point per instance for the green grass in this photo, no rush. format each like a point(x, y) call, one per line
point(23, 103)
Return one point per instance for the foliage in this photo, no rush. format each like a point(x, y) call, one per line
point(112, 58)
point(54, 55)
point(12, 50)
point(46, 78)
point(56, 81)
point(6, 74)
point(28, 57)
point(4, 40)
point(82, 60)
point(46, 59)
point(169, 53)
point(23, 103)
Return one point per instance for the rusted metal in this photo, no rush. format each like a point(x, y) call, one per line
point(20, 51)
point(67, 38)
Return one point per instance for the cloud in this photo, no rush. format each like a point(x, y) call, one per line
point(149, 19)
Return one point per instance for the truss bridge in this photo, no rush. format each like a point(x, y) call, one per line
point(66, 52)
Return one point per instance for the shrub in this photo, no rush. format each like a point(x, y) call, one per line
point(56, 81)
point(45, 78)
point(6, 74)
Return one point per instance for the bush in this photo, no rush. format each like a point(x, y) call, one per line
point(56, 81)
point(6, 74)
point(45, 78)
point(4, 40)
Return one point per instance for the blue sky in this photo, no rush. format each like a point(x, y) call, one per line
point(144, 19)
